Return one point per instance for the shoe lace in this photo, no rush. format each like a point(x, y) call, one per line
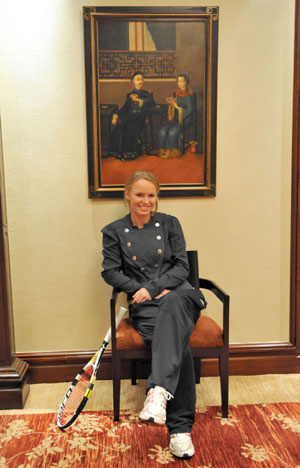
point(168, 396)
point(159, 393)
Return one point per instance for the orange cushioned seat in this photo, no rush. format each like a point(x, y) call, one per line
point(206, 333)
point(128, 337)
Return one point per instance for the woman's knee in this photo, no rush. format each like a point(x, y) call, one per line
point(169, 299)
point(172, 304)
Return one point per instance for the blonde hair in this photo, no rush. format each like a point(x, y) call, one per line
point(138, 175)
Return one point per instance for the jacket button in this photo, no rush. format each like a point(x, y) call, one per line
point(156, 224)
point(126, 230)
point(142, 269)
point(134, 258)
point(128, 244)
point(156, 266)
point(158, 237)
point(159, 251)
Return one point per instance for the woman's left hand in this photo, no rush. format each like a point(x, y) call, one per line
point(162, 294)
point(141, 295)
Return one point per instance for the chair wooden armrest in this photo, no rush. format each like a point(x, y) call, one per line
point(224, 298)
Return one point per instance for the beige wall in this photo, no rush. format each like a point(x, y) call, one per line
point(59, 298)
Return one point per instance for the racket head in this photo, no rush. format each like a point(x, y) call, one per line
point(78, 393)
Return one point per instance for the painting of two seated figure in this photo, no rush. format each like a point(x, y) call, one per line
point(155, 101)
point(128, 136)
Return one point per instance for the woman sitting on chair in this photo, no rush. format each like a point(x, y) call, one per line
point(144, 256)
point(125, 142)
point(180, 115)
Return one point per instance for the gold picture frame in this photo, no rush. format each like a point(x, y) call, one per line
point(160, 43)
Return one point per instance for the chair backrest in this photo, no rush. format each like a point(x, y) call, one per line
point(193, 277)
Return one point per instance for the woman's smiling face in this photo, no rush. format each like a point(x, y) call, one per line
point(142, 198)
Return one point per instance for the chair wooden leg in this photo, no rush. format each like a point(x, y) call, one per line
point(133, 365)
point(224, 369)
point(197, 368)
point(116, 388)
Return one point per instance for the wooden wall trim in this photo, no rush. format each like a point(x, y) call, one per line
point(280, 348)
point(295, 196)
point(245, 359)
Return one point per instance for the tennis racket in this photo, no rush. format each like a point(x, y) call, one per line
point(80, 389)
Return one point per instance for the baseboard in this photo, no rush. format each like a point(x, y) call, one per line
point(245, 359)
point(14, 386)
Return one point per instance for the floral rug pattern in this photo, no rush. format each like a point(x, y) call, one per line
point(260, 436)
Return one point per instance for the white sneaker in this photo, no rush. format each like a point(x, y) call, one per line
point(155, 405)
point(181, 445)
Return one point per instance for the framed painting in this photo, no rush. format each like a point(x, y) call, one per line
point(151, 97)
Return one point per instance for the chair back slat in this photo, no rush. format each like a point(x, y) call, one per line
point(193, 277)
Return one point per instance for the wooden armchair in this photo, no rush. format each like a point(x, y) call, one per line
point(208, 340)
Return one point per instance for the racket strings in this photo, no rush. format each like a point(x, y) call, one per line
point(86, 374)
point(74, 399)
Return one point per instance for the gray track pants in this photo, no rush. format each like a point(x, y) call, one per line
point(167, 324)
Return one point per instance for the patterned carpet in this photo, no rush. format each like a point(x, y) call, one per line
point(260, 436)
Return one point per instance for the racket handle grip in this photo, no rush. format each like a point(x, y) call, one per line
point(120, 314)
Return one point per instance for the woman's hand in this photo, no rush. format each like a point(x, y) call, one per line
point(141, 295)
point(162, 294)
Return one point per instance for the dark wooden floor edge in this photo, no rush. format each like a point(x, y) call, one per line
point(245, 359)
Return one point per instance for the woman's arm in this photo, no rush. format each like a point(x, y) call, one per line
point(112, 264)
point(178, 271)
